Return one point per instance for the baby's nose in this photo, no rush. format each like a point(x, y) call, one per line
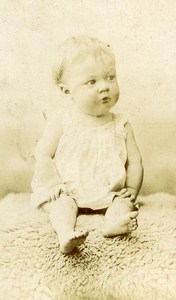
point(103, 87)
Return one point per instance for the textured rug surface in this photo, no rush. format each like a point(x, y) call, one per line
point(141, 266)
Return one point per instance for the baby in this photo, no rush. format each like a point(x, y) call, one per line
point(87, 158)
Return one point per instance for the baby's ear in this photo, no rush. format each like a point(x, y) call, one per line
point(63, 88)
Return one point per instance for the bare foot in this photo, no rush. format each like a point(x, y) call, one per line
point(123, 225)
point(72, 240)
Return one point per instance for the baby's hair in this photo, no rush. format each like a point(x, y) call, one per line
point(76, 49)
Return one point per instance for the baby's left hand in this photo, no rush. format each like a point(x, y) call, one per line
point(56, 190)
point(126, 193)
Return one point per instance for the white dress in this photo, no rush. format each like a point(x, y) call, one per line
point(91, 161)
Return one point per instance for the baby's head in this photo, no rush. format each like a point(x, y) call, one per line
point(86, 72)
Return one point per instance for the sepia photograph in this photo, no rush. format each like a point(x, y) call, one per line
point(87, 150)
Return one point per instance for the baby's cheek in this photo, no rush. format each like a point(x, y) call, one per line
point(117, 94)
point(115, 98)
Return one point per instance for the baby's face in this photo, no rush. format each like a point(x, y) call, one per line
point(93, 85)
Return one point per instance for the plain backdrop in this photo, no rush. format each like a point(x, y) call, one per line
point(143, 36)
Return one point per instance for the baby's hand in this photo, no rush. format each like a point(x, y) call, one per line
point(125, 193)
point(56, 190)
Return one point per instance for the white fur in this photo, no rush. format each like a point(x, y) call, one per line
point(141, 266)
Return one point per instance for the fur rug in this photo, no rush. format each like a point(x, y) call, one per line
point(141, 266)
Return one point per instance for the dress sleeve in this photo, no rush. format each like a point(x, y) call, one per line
point(120, 122)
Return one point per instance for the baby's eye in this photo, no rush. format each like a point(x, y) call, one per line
point(91, 82)
point(111, 77)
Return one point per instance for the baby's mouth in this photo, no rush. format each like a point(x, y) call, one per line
point(105, 100)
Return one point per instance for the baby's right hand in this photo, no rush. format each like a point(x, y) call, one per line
point(56, 190)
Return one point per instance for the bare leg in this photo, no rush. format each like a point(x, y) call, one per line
point(119, 218)
point(63, 214)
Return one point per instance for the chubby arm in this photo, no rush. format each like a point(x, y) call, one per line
point(45, 173)
point(134, 165)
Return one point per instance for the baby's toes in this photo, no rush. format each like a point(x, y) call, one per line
point(133, 215)
point(85, 234)
point(134, 221)
point(134, 224)
point(80, 236)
